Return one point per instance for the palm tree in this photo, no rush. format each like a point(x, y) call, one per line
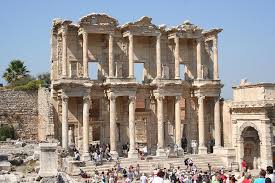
point(15, 71)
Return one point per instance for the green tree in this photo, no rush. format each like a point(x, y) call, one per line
point(45, 77)
point(15, 71)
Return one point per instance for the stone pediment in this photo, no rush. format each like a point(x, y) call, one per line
point(187, 26)
point(99, 19)
point(143, 25)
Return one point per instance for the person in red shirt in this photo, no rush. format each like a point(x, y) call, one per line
point(244, 165)
point(247, 178)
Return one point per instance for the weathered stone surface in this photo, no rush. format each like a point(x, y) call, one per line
point(19, 108)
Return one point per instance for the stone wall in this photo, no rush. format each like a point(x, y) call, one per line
point(45, 114)
point(20, 108)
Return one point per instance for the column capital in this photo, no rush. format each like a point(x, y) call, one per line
point(178, 98)
point(199, 40)
point(201, 98)
point(112, 97)
point(65, 98)
point(159, 97)
point(85, 34)
point(86, 98)
point(132, 98)
point(176, 39)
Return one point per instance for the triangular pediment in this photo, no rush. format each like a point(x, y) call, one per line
point(98, 19)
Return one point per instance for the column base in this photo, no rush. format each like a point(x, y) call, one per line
point(161, 153)
point(86, 157)
point(114, 155)
point(202, 150)
point(133, 154)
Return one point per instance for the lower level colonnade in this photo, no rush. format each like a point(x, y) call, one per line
point(160, 151)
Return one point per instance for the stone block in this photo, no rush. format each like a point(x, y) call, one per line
point(48, 159)
point(5, 165)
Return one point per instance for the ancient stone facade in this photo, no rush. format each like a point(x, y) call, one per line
point(250, 118)
point(114, 107)
point(20, 109)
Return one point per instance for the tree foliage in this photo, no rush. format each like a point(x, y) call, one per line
point(15, 71)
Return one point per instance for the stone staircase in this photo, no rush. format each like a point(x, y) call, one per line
point(147, 166)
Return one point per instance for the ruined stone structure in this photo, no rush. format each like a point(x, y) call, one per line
point(250, 120)
point(114, 107)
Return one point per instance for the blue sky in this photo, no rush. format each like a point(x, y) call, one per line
point(246, 46)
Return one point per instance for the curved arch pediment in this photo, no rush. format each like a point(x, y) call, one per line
point(246, 125)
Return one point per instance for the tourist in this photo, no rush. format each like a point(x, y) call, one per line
point(247, 178)
point(267, 180)
point(159, 177)
point(244, 166)
point(103, 178)
point(184, 144)
point(76, 156)
point(143, 178)
point(270, 174)
point(111, 179)
point(127, 179)
point(216, 178)
point(261, 179)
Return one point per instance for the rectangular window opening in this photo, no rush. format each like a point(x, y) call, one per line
point(139, 72)
point(93, 70)
point(182, 71)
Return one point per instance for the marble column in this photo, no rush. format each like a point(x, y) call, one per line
point(131, 56)
point(132, 135)
point(160, 148)
point(177, 58)
point(215, 64)
point(111, 56)
point(86, 106)
point(217, 123)
point(199, 65)
point(65, 121)
point(158, 55)
point(85, 55)
point(178, 121)
point(202, 148)
point(113, 126)
point(64, 52)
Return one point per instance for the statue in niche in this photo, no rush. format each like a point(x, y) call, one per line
point(165, 71)
point(118, 70)
point(205, 72)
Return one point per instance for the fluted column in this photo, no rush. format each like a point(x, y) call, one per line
point(65, 121)
point(158, 55)
point(64, 52)
point(131, 56)
point(178, 121)
point(199, 66)
point(215, 52)
point(111, 55)
point(160, 148)
point(132, 135)
point(113, 126)
point(217, 123)
point(85, 54)
point(86, 106)
point(202, 148)
point(177, 58)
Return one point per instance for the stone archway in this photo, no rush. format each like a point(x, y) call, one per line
point(251, 146)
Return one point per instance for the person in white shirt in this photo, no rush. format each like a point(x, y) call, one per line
point(270, 174)
point(143, 178)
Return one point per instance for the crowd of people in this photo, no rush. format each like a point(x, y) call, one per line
point(188, 174)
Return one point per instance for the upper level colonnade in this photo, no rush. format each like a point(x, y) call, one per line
point(116, 48)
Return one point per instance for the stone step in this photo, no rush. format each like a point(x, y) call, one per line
point(146, 166)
